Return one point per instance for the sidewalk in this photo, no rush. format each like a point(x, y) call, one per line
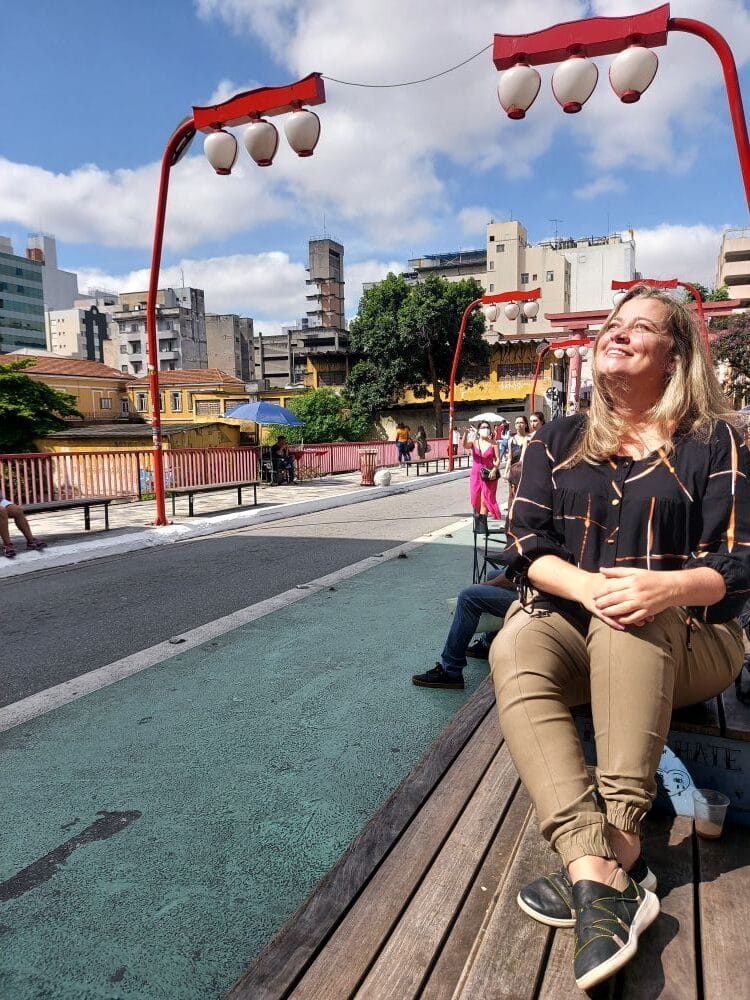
point(131, 524)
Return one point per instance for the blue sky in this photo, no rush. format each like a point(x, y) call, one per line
point(93, 88)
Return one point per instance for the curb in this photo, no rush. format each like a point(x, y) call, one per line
point(203, 527)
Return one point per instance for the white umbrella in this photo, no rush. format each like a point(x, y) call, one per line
point(491, 418)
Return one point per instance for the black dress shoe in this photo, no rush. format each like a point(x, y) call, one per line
point(439, 677)
point(608, 923)
point(478, 650)
point(550, 899)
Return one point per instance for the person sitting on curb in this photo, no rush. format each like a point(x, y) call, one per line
point(494, 598)
point(8, 510)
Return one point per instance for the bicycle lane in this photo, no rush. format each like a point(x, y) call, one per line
point(158, 831)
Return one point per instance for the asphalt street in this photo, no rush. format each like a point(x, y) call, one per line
point(60, 623)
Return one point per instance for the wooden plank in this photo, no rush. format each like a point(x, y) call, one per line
point(348, 954)
point(278, 967)
point(736, 717)
point(666, 965)
point(724, 902)
point(455, 953)
point(405, 961)
point(511, 948)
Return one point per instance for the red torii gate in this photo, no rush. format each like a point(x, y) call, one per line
point(576, 331)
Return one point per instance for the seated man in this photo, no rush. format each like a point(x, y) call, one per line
point(7, 510)
point(493, 597)
point(283, 460)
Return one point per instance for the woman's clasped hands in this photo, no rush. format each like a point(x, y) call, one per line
point(624, 597)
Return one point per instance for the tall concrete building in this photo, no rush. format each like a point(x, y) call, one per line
point(180, 331)
point(733, 268)
point(229, 342)
point(82, 331)
point(573, 274)
point(60, 287)
point(21, 302)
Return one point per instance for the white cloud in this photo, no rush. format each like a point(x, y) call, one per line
point(270, 287)
point(602, 185)
point(672, 251)
point(473, 220)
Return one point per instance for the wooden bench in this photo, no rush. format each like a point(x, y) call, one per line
point(190, 491)
point(416, 463)
point(85, 502)
point(423, 903)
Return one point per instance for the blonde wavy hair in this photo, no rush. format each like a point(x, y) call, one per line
point(692, 401)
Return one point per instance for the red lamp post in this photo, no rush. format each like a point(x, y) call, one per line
point(633, 37)
point(672, 283)
point(530, 309)
point(261, 140)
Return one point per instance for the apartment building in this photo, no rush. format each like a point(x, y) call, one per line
point(21, 302)
point(60, 287)
point(573, 274)
point(733, 268)
point(180, 330)
point(229, 343)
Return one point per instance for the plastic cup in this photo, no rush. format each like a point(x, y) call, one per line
point(710, 810)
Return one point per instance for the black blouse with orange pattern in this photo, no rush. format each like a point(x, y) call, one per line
point(688, 508)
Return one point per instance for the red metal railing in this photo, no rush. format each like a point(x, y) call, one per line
point(128, 474)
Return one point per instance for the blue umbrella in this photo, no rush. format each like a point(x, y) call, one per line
point(265, 413)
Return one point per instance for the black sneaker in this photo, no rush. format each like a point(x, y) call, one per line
point(439, 677)
point(608, 923)
point(478, 650)
point(550, 899)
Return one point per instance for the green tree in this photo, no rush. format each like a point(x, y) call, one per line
point(732, 346)
point(720, 294)
point(29, 408)
point(407, 335)
point(326, 417)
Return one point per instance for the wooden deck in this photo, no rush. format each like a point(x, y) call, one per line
point(423, 902)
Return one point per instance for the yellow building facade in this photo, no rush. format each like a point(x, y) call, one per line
point(193, 396)
point(99, 391)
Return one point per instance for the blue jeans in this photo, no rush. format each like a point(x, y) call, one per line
point(472, 602)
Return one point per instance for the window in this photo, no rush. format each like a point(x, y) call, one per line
point(123, 348)
point(533, 277)
point(550, 275)
point(176, 401)
point(124, 368)
point(161, 402)
point(491, 265)
point(500, 248)
point(141, 402)
point(525, 278)
point(137, 367)
point(105, 403)
point(124, 408)
point(492, 288)
point(492, 239)
point(515, 371)
point(208, 408)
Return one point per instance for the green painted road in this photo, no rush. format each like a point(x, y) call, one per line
point(157, 832)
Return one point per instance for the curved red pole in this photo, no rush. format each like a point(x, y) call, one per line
point(701, 315)
point(536, 376)
point(731, 82)
point(452, 383)
point(176, 143)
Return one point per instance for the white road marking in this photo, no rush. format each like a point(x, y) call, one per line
point(46, 701)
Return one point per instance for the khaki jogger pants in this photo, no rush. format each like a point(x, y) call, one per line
point(542, 665)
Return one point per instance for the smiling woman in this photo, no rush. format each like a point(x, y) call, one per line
point(629, 540)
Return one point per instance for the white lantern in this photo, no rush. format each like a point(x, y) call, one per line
point(583, 351)
point(302, 129)
point(490, 312)
point(511, 310)
point(559, 352)
point(573, 83)
point(618, 297)
point(531, 309)
point(220, 148)
point(517, 88)
point(261, 141)
point(571, 352)
point(632, 71)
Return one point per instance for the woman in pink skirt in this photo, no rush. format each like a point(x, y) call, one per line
point(485, 471)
